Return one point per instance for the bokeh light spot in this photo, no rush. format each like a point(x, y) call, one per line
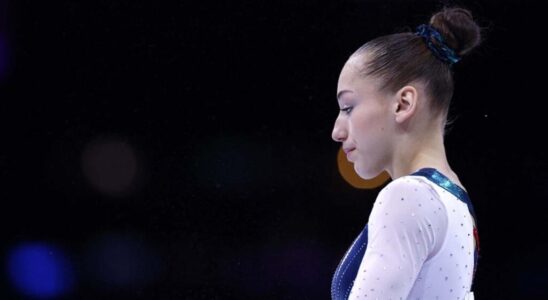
point(40, 271)
point(346, 169)
point(298, 266)
point(110, 166)
point(4, 56)
point(232, 163)
point(118, 260)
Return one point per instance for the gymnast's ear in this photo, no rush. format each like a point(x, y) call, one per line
point(405, 103)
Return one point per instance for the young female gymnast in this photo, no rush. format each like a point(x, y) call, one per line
point(421, 240)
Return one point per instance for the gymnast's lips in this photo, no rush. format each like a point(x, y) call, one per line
point(348, 150)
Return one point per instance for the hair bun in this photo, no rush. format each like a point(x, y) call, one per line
point(458, 28)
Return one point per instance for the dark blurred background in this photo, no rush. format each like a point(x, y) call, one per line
point(182, 150)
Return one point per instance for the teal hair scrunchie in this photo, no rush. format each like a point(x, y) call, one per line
point(440, 50)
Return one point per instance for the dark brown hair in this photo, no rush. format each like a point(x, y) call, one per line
point(401, 58)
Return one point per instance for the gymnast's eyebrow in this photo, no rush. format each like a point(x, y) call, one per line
point(341, 93)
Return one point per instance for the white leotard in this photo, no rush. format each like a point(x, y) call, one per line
point(420, 244)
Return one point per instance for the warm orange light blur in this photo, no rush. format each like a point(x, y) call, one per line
point(346, 169)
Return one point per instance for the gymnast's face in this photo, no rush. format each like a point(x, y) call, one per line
point(363, 125)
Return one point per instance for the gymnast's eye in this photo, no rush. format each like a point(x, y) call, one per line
point(347, 110)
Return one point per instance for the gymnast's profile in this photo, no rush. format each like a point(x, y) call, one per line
point(420, 240)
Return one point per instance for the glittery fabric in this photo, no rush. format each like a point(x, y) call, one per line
point(444, 182)
point(417, 244)
point(440, 49)
point(348, 267)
